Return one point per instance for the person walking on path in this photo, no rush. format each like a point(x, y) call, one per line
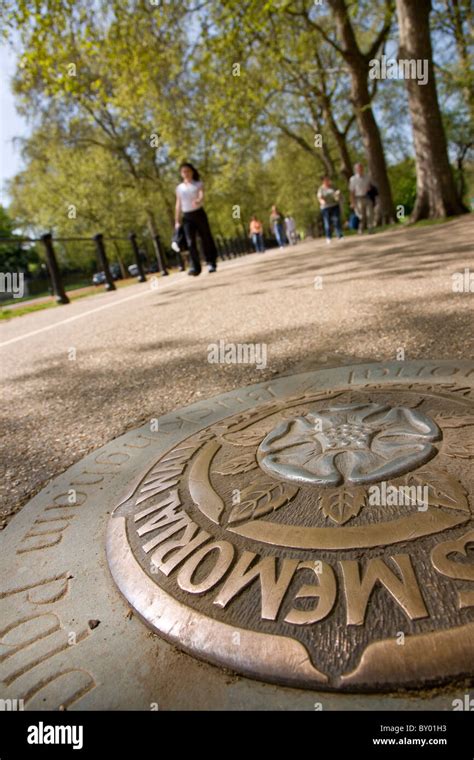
point(328, 198)
point(359, 187)
point(189, 206)
point(276, 226)
point(256, 233)
point(290, 229)
point(373, 195)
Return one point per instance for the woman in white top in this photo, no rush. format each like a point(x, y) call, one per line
point(189, 208)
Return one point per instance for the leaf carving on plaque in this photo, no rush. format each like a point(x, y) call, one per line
point(444, 489)
point(242, 463)
point(341, 504)
point(461, 450)
point(245, 437)
point(260, 498)
point(448, 421)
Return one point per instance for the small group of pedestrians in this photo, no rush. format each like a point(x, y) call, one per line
point(283, 229)
point(363, 197)
point(191, 222)
point(191, 219)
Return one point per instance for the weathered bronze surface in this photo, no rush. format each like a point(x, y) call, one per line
point(321, 538)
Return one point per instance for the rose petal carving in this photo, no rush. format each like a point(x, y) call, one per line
point(353, 444)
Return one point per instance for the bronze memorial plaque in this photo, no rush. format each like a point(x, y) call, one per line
point(322, 538)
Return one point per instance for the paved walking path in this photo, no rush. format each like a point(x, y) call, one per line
point(77, 376)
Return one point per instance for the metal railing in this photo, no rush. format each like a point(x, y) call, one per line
point(227, 248)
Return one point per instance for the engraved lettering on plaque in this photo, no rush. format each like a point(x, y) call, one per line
point(317, 526)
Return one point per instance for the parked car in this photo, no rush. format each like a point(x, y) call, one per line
point(133, 269)
point(98, 278)
point(115, 271)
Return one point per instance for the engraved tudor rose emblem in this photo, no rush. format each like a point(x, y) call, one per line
point(255, 542)
point(354, 444)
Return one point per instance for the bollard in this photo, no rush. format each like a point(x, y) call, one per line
point(54, 273)
point(225, 248)
point(220, 250)
point(103, 261)
point(160, 255)
point(138, 260)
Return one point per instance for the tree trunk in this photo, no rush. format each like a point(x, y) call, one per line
point(462, 179)
point(340, 137)
point(358, 66)
point(325, 155)
point(437, 195)
point(372, 141)
point(340, 140)
point(463, 51)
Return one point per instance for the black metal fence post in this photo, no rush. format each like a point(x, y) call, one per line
point(104, 263)
point(54, 273)
point(160, 255)
point(224, 252)
point(138, 260)
point(219, 248)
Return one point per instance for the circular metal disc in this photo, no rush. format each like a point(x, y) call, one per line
point(314, 530)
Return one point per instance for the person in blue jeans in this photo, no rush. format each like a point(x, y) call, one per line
point(276, 226)
point(256, 233)
point(329, 198)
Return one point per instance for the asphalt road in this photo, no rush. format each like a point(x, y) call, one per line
point(76, 376)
